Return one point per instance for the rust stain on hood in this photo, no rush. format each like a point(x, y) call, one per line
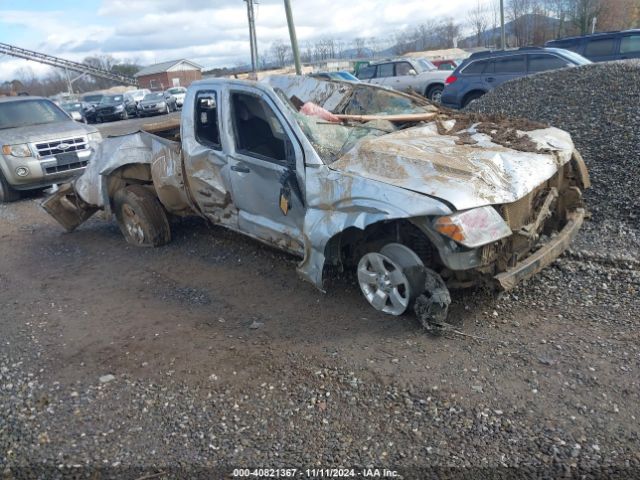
point(465, 175)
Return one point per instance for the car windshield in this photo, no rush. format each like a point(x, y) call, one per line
point(93, 98)
point(112, 99)
point(29, 112)
point(72, 107)
point(176, 91)
point(425, 65)
point(153, 96)
point(333, 140)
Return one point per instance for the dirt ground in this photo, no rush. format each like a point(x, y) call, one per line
point(558, 358)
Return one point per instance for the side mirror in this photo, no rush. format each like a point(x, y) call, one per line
point(413, 73)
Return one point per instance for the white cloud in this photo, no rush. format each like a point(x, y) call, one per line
point(212, 32)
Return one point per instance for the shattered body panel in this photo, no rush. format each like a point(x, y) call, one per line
point(343, 184)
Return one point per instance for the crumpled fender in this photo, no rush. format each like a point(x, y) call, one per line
point(337, 201)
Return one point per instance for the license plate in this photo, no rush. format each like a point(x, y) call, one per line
point(64, 159)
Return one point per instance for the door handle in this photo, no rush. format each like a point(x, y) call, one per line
point(240, 168)
point(490, 79)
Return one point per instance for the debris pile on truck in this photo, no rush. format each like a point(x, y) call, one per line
point(599, 104)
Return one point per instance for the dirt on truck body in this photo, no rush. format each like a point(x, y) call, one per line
point(414, 199)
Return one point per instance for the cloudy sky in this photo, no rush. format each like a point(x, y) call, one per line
point(210, 32)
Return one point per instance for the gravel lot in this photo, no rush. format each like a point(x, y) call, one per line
point(210, 354)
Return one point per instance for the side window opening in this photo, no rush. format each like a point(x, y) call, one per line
point(514, 64)
point(600, 47)
point(403, 69)
point(475, 68)
point(366, 73)
point(385, 70)
point(258, 132)
point(206, 121)
point(544, 62)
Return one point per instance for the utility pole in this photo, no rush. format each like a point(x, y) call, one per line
point(252, 37)
point(294, 38)
point(503, 40)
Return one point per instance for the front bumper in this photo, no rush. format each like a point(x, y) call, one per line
point(108, 117)
point(151, 111)
point(545, 255)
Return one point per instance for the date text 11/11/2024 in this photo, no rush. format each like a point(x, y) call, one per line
point(313, 473)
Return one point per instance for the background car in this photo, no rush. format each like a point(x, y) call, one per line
point(340, 76)
point(602, 47)
point(406, 74)
point(138, 95)
point(86, 111)
point(445, 64)
point(484, 71)
point(156, 103)
point(41, 145)
point(114, 107)
point(93, 98)
point(178, 93)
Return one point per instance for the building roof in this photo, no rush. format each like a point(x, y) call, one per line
point(164, 67)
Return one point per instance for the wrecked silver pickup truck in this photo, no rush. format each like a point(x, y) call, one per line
point(413, 198)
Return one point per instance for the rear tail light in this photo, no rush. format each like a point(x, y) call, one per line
point(450, 79)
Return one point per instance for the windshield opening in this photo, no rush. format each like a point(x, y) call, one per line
point(153, 96)
point(174, 91)
point(30, 112)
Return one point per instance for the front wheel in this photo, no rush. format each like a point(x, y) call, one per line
point(7, 193)
point(141, 217)
point(391, 279)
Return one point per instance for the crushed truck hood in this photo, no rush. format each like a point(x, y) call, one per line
point(467, 176)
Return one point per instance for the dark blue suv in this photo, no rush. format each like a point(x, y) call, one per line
point(484, 71)
point(603, 47)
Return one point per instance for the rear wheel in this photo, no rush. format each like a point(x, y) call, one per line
point(435, 93)
point(7, 193)
point(391, 279)
point(141, 217)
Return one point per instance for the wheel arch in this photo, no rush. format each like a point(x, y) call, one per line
point(470, 93)
point(431, 86)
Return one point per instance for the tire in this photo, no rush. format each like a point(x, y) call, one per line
point(471, 97)
point(141, 217)
point(435, 93)
point(7, 193)
point(391, 279)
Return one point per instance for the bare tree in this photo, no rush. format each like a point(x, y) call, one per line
point(478, 20)
point(584, 11)
point(281, 52)
point(360, 44)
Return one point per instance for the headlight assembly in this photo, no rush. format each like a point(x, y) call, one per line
point(473, 228)
point(94, 137)
point(21, 150)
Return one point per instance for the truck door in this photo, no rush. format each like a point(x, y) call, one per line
point(264, 181)
point(205, 161)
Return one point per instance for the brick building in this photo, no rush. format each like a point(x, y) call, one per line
point(177, 73)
